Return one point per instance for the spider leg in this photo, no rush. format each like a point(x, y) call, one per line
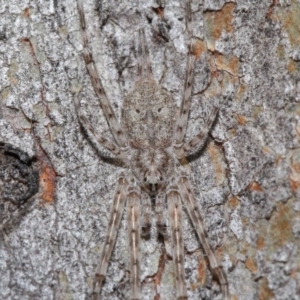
point(175, 211)
point(198, 141)
point(115, 127)
point(143, 56)
point(181, 122)
point(188, 198)
point(113, 225)
point(159, 212)
point(108, 144)
point(146, 223)
point(133, 202)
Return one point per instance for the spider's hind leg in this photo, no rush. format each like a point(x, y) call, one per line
point(144, 65)
point(116, 129)
point(181, 122)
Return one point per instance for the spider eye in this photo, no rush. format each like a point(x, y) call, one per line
point(137, 111)
point(159, 110)
point(160, 178)
point(145, 179)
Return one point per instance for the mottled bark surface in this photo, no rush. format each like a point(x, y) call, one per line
point(247, 179)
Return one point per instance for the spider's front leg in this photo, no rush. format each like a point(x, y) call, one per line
point(110, 238)
point(133, 197)
point(190, 203)
point(133, 204)
point(175, 211)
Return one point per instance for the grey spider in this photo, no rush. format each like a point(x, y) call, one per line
point(150, 142)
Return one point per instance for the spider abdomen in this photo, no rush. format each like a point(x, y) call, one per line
point(148, 115)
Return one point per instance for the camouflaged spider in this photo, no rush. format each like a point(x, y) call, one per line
point(151, 144)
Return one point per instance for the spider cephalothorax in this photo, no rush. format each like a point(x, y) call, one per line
point(153, 168)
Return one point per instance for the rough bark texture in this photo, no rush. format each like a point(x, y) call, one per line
point(247, 180)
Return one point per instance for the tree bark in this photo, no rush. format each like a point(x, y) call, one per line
point(246, 179)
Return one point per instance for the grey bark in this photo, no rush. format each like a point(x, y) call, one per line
point(247, 179)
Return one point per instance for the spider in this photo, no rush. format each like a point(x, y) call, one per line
point(150, 141)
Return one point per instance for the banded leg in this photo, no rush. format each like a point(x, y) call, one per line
point(106, 143)
point(196, 143)
point(146, 223)
point(143, 56)
point(189, 201)
point(174, 206)
point(181, 123)
point(159, 212)
point(113, 225)
point(115, 127)
point(133, 203)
